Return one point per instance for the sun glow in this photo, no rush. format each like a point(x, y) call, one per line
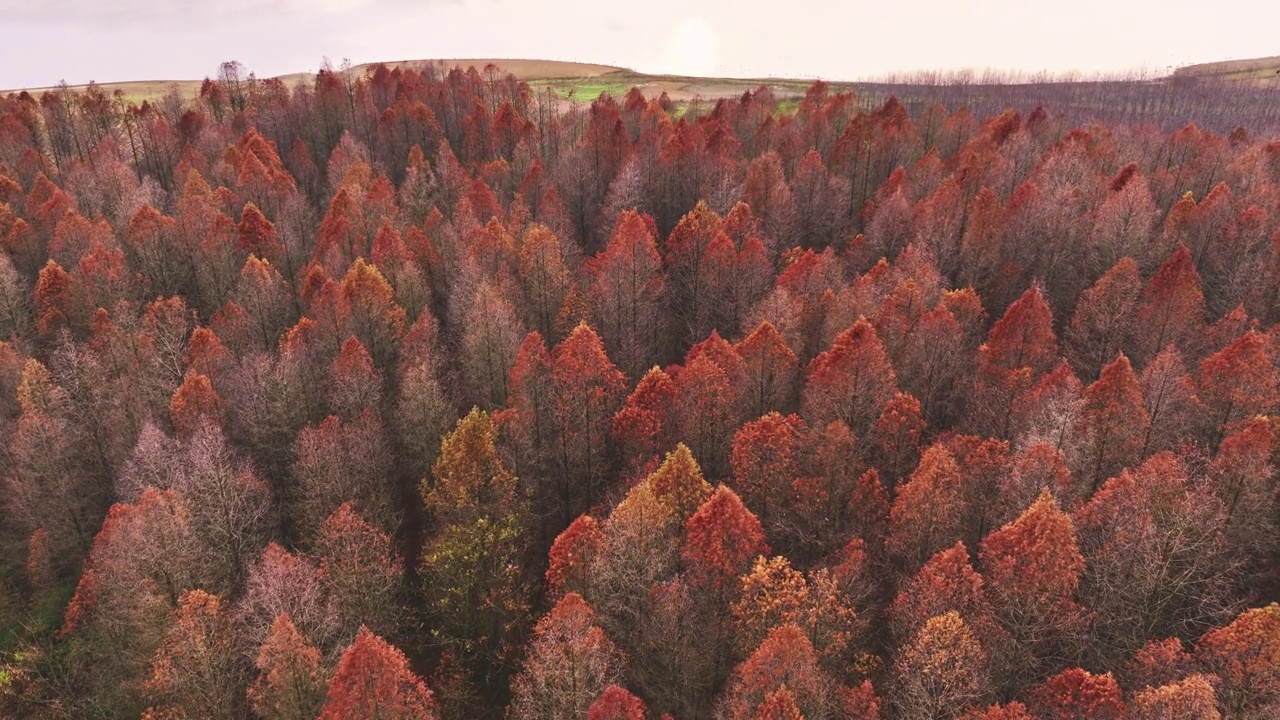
point(693, 48)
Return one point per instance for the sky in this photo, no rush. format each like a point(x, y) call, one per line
point(45, 41)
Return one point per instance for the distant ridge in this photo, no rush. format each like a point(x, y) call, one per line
point(1262, 70)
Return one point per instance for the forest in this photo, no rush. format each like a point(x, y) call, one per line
point(424, 395)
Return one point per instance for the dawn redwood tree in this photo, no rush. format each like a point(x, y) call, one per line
point(291, 680)
point(784, 659)
point(17, 319)
point(897, 434)
point(198, 670)
point(544, 277)
point(1171, 310)
point(229, 507)
point(1169, 395)
point(934, 365)
point(1020, 348)
point(1236, 383)
point(360, 572)
point(721, 539)
point(373, 681)
point(44, 487)
point(773, 594)
point(586, 391)
point(342, 462)
point(52, 300)
point(367, 308)
point(473, 559)
point(679, 485)
point(1113, 423)
point(1123, 223)
point(1244, 655)
point(262, 295)
point(643, 429)
point(491, 337)
point(946, 583)
point(615, 703)
point(142, 561)
point(639, 548)
point(626, 291)
point(1243, 478)
point(1033, 567)
point(765, 467)
point(928, 513)
point(569, 663)
point(1192, 698)
point(572, 556)
point(850, 382)
point(1076, 694)
point(354, 384)
point(1010, 711)
point(694, 243)
point(256, 234)
point(1158, 663)
point(942, 670)
point(1104, 319)
point(282, 583)
point(424, 409)
point(771, 369)
point(1158, 562)
point(705, 410)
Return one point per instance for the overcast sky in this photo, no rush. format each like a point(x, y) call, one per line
point(44, 41)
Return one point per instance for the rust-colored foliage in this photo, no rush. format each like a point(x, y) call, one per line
point(942, 670)
point(290, 684)
point(1019, 349)
point(1076, 694)
point(1034, 561)
point(52, 299)
point(256, 234)
point(615, 703)
point(721, 538)
point(644, 426)
point(194, 403)
point(765, 464)
point(897, 434)
point(1104, 318)
point(570, 663)
point(785, 659)
point(678, 484)
point(1236, 383)
point(1245, 655)
point(1172, 309)
point(1010, 711)
point(196, 671)
point(770, 367)
point(1113, 422)
point(947, 582)
point(572, 554)
point(373, 680)
point(1190, 699)
point(929, 511)
point(851, 381)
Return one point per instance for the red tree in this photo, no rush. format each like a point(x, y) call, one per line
point(722, 538)
point(1078, 695)
point(615, 703)
point(373, 680)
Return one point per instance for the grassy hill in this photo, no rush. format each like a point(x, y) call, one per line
point(1259, 70)
point(571, 80)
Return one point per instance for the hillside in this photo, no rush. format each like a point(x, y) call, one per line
point(581, 81)
point(1262, 70)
